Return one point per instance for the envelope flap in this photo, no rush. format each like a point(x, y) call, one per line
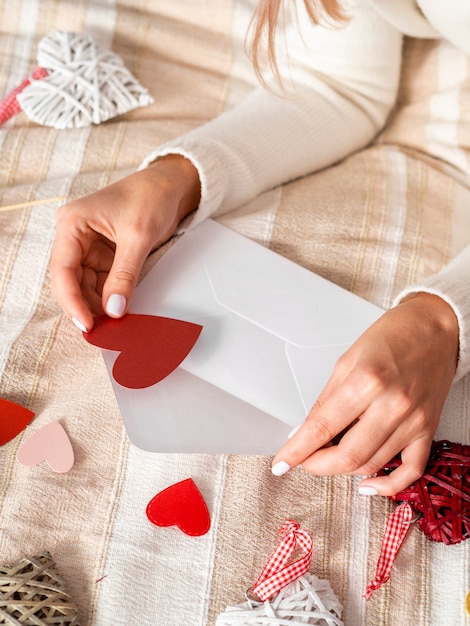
point(278, 295)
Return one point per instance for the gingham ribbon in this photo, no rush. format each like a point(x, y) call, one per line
point(398, 525)
point(10, 105)
point(277, 574)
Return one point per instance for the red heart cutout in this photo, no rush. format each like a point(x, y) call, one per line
point(151, 346)
point(180, 505)
point(13, 419)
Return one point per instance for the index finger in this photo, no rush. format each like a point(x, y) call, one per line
point(65, 271)
point(325, 421)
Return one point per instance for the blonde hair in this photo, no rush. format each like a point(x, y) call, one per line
point(264, 26)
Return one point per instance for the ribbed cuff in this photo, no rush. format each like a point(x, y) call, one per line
point(211, 195)
point(452, 284)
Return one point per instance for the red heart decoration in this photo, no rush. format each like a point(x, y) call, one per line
point(151, 346)
point(13, 419)
point(180, 505)
point(441, 497)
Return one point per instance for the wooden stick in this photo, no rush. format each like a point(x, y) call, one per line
point(24, 205)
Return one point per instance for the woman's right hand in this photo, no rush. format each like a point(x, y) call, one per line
point(103, 239)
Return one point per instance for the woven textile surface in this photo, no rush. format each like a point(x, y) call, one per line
point(360, 224)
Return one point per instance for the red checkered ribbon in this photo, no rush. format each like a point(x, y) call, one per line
point(398, 525)
point(10, 105)
point(277, 574)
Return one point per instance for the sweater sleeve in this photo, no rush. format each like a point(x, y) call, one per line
point(452, 284)
point(341, 86)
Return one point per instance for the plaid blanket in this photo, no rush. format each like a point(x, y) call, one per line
point(380, 219)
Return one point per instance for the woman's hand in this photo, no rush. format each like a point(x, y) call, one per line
point(385, 395)
point(102, 240)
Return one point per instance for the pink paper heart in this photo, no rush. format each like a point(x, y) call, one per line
point(51, 444)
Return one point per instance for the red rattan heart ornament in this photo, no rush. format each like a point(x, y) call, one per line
point(441, 497)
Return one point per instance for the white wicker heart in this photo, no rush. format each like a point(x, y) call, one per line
point(85, 84)
point(307, 600)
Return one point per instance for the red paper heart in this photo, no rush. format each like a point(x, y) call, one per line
point(13, 419)
point(180, 505)
point(441, 497)
point(151, 346)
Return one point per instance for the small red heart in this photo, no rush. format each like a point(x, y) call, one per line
point(151, 346)
point(13, 419)
point(180, 505)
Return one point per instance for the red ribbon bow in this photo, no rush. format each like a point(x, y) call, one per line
point(398, 525)
point(277, 574)
point(10, 106)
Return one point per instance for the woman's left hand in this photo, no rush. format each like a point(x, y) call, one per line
point(385, 396)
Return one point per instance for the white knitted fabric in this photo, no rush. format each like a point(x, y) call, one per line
point(86, 84)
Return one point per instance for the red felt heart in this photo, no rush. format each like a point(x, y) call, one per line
point(441, 497)
point(151, 346)
point(180, 505)
point(13, 419)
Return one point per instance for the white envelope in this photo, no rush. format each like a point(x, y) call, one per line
point(272, 332)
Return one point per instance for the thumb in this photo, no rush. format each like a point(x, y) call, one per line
point(122, 279)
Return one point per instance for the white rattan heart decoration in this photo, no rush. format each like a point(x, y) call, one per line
point(85, 84)
point(307, 600)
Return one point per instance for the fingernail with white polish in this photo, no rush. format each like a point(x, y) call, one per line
point(367, 491)
point(280, 468)
point(293, 431)
point(116, 305)
point(79, 325)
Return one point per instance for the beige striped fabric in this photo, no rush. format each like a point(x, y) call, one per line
point(387, 216)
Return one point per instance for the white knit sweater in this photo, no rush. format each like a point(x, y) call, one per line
point(345, 82)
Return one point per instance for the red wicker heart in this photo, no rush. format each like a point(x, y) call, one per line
point(442, 496)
